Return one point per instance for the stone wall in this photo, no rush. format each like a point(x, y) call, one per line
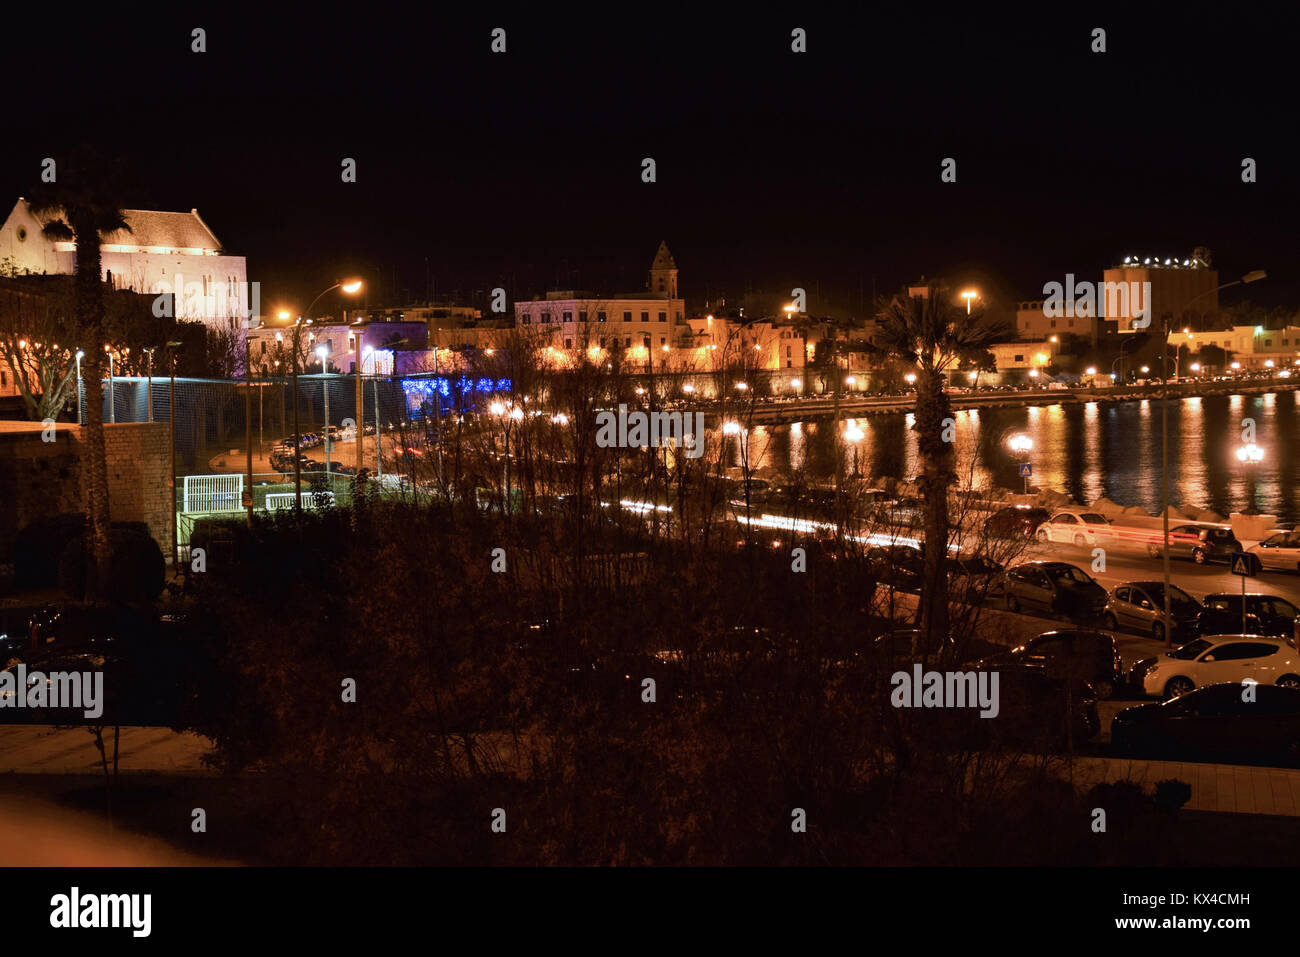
point(40, 478)
point(139, 490)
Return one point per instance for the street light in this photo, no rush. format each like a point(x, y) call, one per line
point(1021, 444)
point(970, 295)
point(853, 433)
point(79, 355)
point(322, 353)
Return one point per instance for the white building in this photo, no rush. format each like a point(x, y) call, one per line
point(577, 320)
point(162, 253)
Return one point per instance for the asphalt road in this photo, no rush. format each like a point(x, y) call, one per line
point(1126, 563)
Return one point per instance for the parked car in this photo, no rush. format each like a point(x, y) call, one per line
point(903, 646)
point(1265, 615)
point(1200, 543)
point(1055, 587)
point(1076, 527)
point(1034, 710)
point(1140, 606)
point(1015, 521)
point(900, 566)
point(1214, 722)
point(1280, 552)
point(1210, 660)
point(972, 577)
point(1092, 656)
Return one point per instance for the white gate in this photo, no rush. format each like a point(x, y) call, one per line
point(279, 500)
point(213, 493)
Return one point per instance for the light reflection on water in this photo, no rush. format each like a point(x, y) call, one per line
point(1087, 450)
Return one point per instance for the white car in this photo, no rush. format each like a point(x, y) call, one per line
point(1211, 660)
point(1075, 527)
point(1280, 552)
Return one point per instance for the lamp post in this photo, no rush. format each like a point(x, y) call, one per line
point(323, 354)
point(1252, 276)
point(112, 409)
point(1022, 445)
point(149, 383)
point(171, 428)
point(79, 355)
point(351, 287)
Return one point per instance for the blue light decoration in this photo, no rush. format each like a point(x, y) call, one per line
point(423, 389)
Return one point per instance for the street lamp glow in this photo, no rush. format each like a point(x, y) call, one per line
point(853, 432)
point(973, 375)
point(352, 287)
point(284, 314)
point(1251, 454)
point(1268, 363)
point(1020, 443)
point(851, 380)
point(970, 295)
point(321, 353)
point(1236, 365)
point(731, 428)
point(688, 388)
point(742, 386)
point(911, 378)
point(496, 408)
point(1146, 369)
point(795, 384)
point(1033, 374)
point(1091, 370)
point(516, 413)
point(559, 418)
point(1196, 367)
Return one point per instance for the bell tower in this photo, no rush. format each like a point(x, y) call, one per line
point(663, 273)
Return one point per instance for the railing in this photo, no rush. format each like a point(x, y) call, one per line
point(213, 493)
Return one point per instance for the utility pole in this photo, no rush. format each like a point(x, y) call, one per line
point(248, 424)
point(297, 433)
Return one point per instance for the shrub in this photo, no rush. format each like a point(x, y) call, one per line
point(39, 547)
point(136, 570)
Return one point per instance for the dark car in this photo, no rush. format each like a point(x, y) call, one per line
point(1140, 607)
point(1036, 711)
point(1092, 656)
point(897, 566)
point(1018, 521)
point(1200, 543)
point(903, 646)
point(1055, 587)
point(1214, 722)
point(1265, 615)
point(971, 577)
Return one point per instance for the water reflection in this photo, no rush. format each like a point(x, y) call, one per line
point(1086, 450)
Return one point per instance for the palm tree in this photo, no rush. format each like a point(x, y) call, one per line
point(81, 206)
point(934, 335)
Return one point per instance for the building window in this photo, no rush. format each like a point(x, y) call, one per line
point(600, 317)
point(679, 317)
point(568, 316)
point(568, 343)
point(645, 317)
point(527, 319)
point(646, 342)
point(627, 317)
point(263, 347)
point(663, 317)
point(663, 341)
point(602, 342)
point(627, 343)
point(1019, 359)
point(1053, 323)
point(582, 316)
point(546, 317)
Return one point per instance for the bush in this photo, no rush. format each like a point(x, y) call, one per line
point(136, 570)
point(39, 547)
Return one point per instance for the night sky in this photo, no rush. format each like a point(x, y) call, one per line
point(774, 169)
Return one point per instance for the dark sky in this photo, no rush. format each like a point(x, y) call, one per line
point(774, 169)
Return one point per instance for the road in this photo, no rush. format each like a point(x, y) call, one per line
point(1128, 562)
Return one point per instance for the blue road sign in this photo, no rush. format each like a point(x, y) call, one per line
point(1026, 470)
point(1241, 565)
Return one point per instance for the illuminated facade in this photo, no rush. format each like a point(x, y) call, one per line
point(162, 253)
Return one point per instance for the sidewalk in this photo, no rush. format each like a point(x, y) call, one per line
point(45, 749)
point(1215, 787)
